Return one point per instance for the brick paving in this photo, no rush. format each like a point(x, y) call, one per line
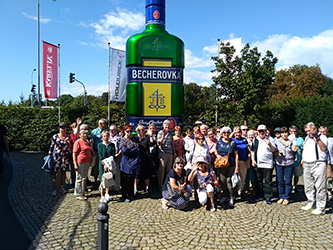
point(67, 223)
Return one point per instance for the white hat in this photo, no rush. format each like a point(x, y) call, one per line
point(201, 159)
point(262, 127)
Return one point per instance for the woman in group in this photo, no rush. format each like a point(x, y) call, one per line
point(189, 143)
point(178, 141)
point(105, 150)
point(129, 164)
point(285, 165)
point(224, 146)
point(146, 169)
point(60, 149)
point(206, 180)
point(201, 149)
point(211, 143)
point(81, 158)
point(176, 179)
point(244, 156)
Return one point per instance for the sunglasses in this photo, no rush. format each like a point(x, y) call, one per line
point(226, 132)
point(217, 131)
point(128, 131)
point(245, 129)
point(182, 163)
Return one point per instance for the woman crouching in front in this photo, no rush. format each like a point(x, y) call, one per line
point(206, 179)
point(175, 191)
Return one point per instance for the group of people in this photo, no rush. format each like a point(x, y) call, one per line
point(182, 164)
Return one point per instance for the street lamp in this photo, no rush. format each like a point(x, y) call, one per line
point(33, 86)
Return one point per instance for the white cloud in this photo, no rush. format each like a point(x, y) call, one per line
point(116, 26)
point(197, 76)
point(76, 89)
point(291, 50)
point(192, 61)
point(42, 20)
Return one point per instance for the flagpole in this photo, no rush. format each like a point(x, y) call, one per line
point(218, 57)
point(59, 96)
point(109, 84)
point(38, 55)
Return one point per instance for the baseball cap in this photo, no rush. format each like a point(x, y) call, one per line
point(201, 159)
point(262, 127)
point(62, 125)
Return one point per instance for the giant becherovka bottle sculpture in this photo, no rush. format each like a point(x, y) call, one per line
point(155, 63)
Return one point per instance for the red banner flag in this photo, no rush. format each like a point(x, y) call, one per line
point(50, 70)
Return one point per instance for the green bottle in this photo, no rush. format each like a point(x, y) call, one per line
point(155, 64)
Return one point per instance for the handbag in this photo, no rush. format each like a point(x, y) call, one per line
point(172, 192)
point(107, 180)
point(224, 161)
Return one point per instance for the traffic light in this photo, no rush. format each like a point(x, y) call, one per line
point(71, 77)
point(33, 87)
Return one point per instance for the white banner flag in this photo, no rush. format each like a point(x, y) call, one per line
point(118, 76)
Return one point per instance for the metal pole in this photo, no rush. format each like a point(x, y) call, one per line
point(38, 55)
point(218, 57)
point(84, 89)
point(103, 227)
point(59, 96)
point(109, 85)
point(32, 84)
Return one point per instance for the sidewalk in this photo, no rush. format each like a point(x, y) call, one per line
point(64, 222)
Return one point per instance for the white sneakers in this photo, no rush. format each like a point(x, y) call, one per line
point(164, 204)
point(307, 206)
point(106, 198)
point(317, 211)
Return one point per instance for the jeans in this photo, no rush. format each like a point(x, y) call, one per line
point(284, 176)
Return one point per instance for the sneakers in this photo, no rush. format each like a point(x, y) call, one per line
point(268, 202)
point(103, 200)
point(63, 191)
point(258, 199)
point(164, 204)
point(54, 193)
point(318, 211)
point(135, 191)
point(81, 198)
point(213, 209)
point(307, 206)
point(231, 202)
point(108, 198)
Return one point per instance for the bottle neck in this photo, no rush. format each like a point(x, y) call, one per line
point(155, 15)
point(155, 27)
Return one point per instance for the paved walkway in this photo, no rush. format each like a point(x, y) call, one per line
point(67, 223)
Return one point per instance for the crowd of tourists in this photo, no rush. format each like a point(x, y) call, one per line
point(215, 165)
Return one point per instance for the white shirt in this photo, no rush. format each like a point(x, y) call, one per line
point(264, 154)
point(309, 150)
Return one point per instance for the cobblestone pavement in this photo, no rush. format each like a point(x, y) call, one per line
point(67, 223)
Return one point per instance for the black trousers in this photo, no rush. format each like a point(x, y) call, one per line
point(264, 182)
point(127, 185)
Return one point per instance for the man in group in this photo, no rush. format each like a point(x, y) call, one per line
point(262, 161)
point(115, 139)
point(165, 152)
point(204, 130)
point(314, 159)
point(96, 136)
point(3, 146)
point(298, 169)
point(329, 168)
point(277, 133)
point(244, 130)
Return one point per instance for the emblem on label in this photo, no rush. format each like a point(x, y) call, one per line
point(157, 101)
point(156, 14)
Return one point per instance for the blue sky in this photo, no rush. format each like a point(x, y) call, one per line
point(296, 31)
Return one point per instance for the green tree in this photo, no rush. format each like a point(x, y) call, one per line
point(242, 81)
point(299, 81)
